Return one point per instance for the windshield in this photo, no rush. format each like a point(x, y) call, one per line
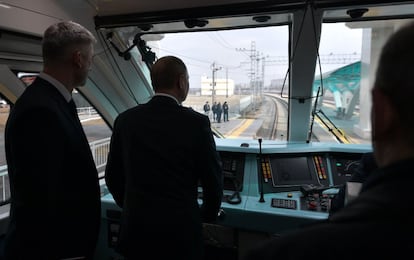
point(240, 79)
point(248, 69)
point(243, 69)
point(248, 81)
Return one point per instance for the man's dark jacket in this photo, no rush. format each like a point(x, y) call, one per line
point(160, 152)
point(55, 196)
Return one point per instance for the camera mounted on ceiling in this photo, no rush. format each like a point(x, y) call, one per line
point(147, 55)
point(357, 12)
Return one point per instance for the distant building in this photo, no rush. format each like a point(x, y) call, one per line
point(194, 91)
point(223, 87)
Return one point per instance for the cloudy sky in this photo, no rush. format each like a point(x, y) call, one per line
point(231, 51)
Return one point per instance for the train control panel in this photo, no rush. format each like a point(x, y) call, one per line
point(274, 187)
point(271, 188)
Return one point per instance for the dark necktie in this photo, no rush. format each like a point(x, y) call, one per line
point(74, 112)
point(73, 109)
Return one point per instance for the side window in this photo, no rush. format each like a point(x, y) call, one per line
point(4, 178)
point(96, 130)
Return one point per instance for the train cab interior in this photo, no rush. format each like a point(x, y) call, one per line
point(296, 74)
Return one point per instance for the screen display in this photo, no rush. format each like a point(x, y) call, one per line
point(292, 171)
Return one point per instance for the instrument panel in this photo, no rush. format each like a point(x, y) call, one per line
point(283, 188)
point(343, 166)
point(289, 172)
point(276, 188)
point(233, 170)
point(286, 172)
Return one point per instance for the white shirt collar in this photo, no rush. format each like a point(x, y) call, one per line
point(59, 86)
point(167, 95)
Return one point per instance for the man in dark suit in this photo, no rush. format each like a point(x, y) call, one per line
point(160, 151)
point(225, 111)
point(376, 224)
point(55, 196)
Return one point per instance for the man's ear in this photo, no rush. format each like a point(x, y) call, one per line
point(181, 81)
point(77, 59)
point(383, 115)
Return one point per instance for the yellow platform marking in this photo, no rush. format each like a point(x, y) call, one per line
point(240, 128)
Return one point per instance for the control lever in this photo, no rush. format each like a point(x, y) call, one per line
point(261, 172)
point(307, 189)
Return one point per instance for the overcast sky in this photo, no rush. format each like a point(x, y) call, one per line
point(231, 50)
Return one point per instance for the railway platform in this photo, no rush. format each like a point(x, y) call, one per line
point(239, 128)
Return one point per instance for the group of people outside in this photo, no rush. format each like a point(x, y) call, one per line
point(218, 110)
point(53, 162)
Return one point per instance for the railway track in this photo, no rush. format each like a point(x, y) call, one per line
point(274, 113)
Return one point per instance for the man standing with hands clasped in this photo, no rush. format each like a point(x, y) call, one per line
point(160, 152)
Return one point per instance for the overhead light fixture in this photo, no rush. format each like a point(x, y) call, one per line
point(145, 27)
point(261, 18)
point(356, 13)
point(191, 23)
